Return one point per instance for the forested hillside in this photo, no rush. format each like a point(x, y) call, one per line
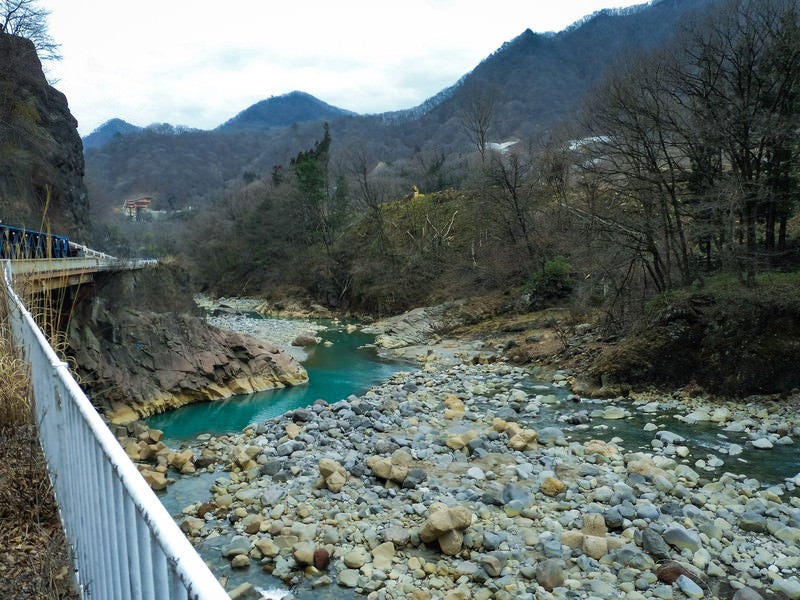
point(530, 84)
point(677, 169)
point(283, 111)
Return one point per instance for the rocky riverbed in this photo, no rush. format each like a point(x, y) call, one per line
point(234, 314)
point(446, 482)
point(438, 485)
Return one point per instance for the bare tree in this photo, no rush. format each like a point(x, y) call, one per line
point(636, 143)
point(25, 18)
point(742, 79)
point(370, 195)
point(476, 119)
point(512, 188)
point(697, 146)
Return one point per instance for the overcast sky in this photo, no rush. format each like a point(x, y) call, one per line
point(199, 62)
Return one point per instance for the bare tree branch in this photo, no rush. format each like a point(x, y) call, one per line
point(24, 18)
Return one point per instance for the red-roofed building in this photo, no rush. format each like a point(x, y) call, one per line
point(134, 207)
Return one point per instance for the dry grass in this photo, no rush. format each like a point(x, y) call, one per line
point(15, 407)
point(34, 562)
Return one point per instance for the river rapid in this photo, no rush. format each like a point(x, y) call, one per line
point(714, 486)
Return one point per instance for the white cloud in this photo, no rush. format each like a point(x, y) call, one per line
point(199, 63)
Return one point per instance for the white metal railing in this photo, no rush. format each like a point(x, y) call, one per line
point(124, 544)
point(130, 263)
point(86, 251)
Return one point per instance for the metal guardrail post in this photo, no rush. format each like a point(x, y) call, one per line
point(124, 543)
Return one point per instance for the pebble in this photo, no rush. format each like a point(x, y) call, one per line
point(681, 538)
point(476, 473)
point(762, 444)
point(789, 587)
point(689, 587)
point(653, 543)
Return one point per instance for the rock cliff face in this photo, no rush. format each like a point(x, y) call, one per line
point(140, 344)
point(134, 361)
point(41, 154)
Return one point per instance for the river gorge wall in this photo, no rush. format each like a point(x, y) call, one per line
point(140, 346)
point(41, 162)
point(734, 347)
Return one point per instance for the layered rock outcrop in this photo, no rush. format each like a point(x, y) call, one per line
point(41, 165)
point(134, 361)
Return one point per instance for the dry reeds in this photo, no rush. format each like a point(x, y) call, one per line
point(15, 391)
point(34, 562)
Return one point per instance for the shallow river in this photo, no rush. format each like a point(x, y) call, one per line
point(347, 365)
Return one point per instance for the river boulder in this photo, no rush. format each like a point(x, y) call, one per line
point(445, 525)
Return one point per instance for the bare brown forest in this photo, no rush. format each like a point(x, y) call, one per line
point(682, 166)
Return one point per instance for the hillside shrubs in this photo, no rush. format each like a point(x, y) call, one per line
point(552, 284)
point(726, 339)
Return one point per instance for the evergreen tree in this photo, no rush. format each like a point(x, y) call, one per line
point(311, 174)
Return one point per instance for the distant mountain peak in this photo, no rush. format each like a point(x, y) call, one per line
point(294, 94)
point(107, 132)
point(282, 111)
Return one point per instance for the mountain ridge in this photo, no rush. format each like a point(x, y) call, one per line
point(301, 107)
point(537, 82)
point(282, 111)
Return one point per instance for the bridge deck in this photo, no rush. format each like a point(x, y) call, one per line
point(54, 273)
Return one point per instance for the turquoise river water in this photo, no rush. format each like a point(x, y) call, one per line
point(347, 365)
